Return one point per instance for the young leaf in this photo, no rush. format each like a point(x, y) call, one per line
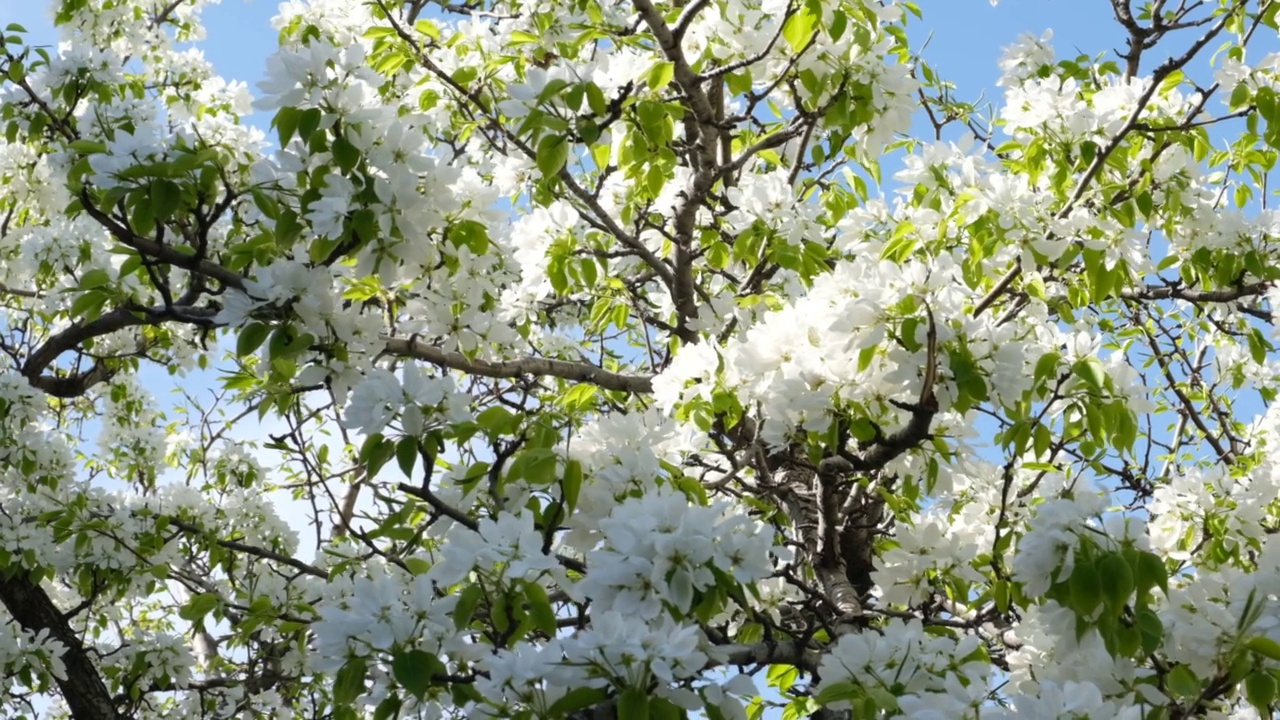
point(553, 153)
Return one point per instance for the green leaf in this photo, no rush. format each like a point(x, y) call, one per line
point(1091, 372)
point(1001, 593)
point(142, 220)
point(537, 465)
point(308, 123)
point(520, 37)
point(407, 454)
point(971, 386)
point(497, 420)
point(428, 28)
point(322, 248)
point(1182, 683)
point(348, 685)
point(577, 699)
point(1117, 578)
point(88, 147)
point(94, 278)
point(389, 708)
point(553, 153)
point(571, 484)
point(661, 74)
point(266, 204)
point(579, 397)
point(465, 74)
point(286, 123)
point(251, 338)
point(842, 691)
point(1260, 690)
point(1047, 367)
point(471, 234)
point(198, 606)
point(633, 704)
point(664, 709)
point(1128, 641)
point(376, 453)
point(365, 225)
point(1149, 572)
point(1264, 646)
point(166, 198)
point(415, 669)
point(782, 676)
point(345, 154)
point(468, 601)
point(596, 100)
point(543, 614)
point(1086, 587)
point(799, 28)
point(1152, 629)
point(901, 244)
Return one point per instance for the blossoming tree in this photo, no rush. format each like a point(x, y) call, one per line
point(619, 379)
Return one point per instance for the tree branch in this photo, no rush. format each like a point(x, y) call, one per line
point(72, 337)
point(564, 369)
point(82, 688)
point(253, 550)
point(787, 652)
point(1178, 292)
point(159, 251)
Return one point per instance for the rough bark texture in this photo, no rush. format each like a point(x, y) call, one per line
point(83, 689)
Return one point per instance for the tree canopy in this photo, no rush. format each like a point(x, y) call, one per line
point(636, 360)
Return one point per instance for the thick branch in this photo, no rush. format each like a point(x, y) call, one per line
point(72, 337)
point(72, 386)
point(578, 372)
point(82, 688)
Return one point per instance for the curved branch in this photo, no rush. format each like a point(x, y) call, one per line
point(72, 337)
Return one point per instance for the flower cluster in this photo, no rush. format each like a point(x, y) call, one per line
point(659, 553)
